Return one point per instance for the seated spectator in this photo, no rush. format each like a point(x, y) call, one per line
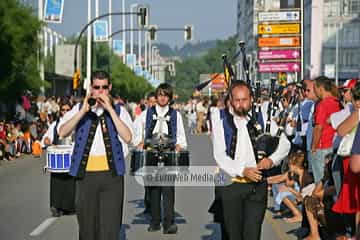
point(318, 209)
point(2, 139)
point(10, 149)
point(288, 190)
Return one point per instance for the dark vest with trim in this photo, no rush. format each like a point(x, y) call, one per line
point(151, 122)
point(79, 161)
point(230, 133)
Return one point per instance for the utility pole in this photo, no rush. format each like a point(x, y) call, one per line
point(124, 33)
point(88, 51)
point(41, 39)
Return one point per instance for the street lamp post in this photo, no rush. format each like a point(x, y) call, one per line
point(139, 47)
point(110, 24)
point(41, 39)
point(88, 51)
point(337, 53)
point(338, 28)
point(132, 26)
point(51, 41)
point(146, 50)
point(124, 33)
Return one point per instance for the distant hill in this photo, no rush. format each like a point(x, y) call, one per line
point(189, 50)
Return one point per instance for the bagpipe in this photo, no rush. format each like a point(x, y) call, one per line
point(264, 143)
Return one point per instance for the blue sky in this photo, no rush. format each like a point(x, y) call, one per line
point(212, 19)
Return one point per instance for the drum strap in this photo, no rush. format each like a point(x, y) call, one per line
point(253, 134)
point(107, 142)
point(56, 135)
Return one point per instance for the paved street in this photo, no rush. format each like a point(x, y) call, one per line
point(24, 205)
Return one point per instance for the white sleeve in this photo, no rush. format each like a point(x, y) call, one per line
point(219, 148)
point(125, 117)
point(49, 133)
point(139, 129)
point(338, 117)
point(69, 115)
point(283, 148)
point(180, 132)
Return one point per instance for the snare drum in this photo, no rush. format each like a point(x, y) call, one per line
point(177, 159)
point(176, 162)
point(58, 158)
point(140, 159)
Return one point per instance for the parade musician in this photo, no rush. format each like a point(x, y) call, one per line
point(149, 125)
point(102, 132)
point(62, 185)
point(244, 201)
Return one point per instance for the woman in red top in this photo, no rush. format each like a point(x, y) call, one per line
point(348, 201)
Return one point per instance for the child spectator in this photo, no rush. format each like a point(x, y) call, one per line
point(287, 187)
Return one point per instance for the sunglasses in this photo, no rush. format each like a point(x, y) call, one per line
point(104, 87)
point(65, 109)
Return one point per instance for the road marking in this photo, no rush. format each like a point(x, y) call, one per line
point(275, 226)
point(43, 226)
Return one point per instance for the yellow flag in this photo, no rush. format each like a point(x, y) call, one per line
point(227, 75)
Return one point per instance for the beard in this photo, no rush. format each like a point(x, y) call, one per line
point(241, 112)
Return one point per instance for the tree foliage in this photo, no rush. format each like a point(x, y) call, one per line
point(18, 50)
point(189, 70)
point(125, 82)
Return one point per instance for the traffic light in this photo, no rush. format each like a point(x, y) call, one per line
point(76, 79)
point(188, 32)
point(143, 16)
point(152, 31)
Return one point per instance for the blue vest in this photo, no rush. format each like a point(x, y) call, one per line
point(229, 131)
point(81, 136)
point(150, 123)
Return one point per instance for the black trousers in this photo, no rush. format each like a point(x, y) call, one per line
point(168, 197)
point(217, 210)
point(62, 191)
point(244, 206)
point(147, 199)
point(99, 206)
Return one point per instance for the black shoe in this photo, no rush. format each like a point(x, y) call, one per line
point(146, 211)
point(172, 229)
point(154, 227)
point(55, 212)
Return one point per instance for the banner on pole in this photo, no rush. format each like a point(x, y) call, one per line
point(53, 11)
point(138, 70)
point(101, 31)
point(118, 47)
point(130, 60)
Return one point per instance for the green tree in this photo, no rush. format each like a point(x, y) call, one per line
point(125, 82)
point(18, 50)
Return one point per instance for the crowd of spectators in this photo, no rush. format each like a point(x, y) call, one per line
point(318, 184)
point(22, 128)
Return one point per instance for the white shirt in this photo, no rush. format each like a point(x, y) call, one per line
point(50, 134)
point(244, 153)
point(338, 117)
point(98, 146)
point(200, 107)
point(139, 126)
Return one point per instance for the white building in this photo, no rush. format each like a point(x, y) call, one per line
point(330, 27)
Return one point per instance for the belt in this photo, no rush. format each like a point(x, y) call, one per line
point(241, 180)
